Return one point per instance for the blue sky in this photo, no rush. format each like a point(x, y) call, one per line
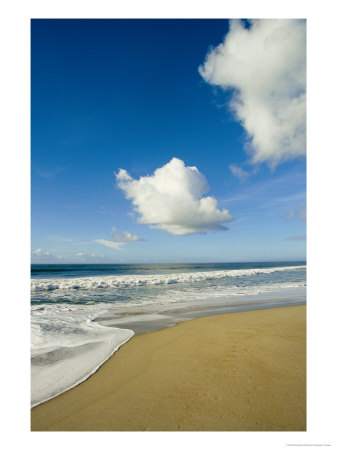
point(134, 94)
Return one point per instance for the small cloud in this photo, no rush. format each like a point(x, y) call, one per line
point(301, 237)
point(39, 255)
point(124, 236)
point(85, 256)
point(119, 239)
point(172, 199)
point(45, 173)
point(39, 252)
point(296, 213)
point(88, 256)
point(110, 244)
point(238, 172)
point(104, 210)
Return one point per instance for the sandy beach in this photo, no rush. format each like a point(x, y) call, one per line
point(242, 371)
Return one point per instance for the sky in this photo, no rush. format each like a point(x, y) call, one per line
point(168, 140)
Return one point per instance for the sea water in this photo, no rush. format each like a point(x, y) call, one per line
point(81, 314)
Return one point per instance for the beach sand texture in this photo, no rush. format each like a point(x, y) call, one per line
point(243, 371)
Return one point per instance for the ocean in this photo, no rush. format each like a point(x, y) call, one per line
point(82, 313)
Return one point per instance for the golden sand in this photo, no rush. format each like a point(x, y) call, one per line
point(233, 372)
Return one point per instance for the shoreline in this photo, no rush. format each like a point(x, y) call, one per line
point(242, 371)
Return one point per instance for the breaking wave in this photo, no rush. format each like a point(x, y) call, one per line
point(110, 282)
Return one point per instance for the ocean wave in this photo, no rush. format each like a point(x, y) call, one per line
point(121, 281)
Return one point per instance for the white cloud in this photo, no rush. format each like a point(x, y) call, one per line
point(87, 256)
point(111, 244)
point(238, 172)
point(41, 256)
point(124, 236)
point(40, 252)
point(171, 199)
point(119, 239)
point(266, 66)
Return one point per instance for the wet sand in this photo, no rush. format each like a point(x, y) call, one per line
point(242, 371)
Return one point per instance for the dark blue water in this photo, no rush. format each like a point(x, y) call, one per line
point(90, 270)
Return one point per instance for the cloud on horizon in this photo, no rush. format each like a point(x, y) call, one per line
point(172, 199)
point(40, 255)
point(86, 255)
point(40, 252)
point(265, 65)
point(119, 239)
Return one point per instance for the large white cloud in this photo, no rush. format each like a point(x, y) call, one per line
point(266, 66)
point(172, 199)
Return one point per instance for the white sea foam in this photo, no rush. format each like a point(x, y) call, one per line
point(67, 347)
point(120, 281)
point(70, 336)
point(71, 341)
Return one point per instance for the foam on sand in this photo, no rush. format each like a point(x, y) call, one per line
point(234, 372)
point(67, 349)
